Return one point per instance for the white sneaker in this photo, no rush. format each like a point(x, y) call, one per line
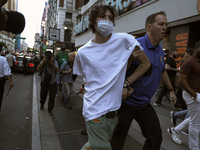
point(174, 135)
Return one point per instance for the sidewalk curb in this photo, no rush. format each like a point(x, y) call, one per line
point(36, 141)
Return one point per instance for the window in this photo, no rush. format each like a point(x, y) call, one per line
point(61, 4)
point(68, 15)
point(67, 36)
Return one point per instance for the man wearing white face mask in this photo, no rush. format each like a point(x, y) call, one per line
point(102, 62)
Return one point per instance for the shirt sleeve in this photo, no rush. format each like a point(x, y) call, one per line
point(7, 70)
point(185, 67)
point(132, 43)
point(56, 64)
point(77, 69)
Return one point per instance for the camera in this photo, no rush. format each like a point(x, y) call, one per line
point(48, 57)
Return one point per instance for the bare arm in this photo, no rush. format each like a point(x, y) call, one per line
point(168, 68)
point(185, 85)
point(68, 71)
point(168, 84)
point(40, 65)
point(141, 69)
point(53, 65)
point(10, 81)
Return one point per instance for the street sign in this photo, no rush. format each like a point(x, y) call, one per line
point(54, 34)
point(21, 38)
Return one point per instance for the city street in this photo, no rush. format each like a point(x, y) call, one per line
point(24, 126)
point(15, 115)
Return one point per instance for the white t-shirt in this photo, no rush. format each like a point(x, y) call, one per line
point(4, 67)
point(104, 66)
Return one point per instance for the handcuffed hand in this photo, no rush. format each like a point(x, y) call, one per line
point(127, 92)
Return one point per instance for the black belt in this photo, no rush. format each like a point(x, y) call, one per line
point(111, 114)
point(2, 78)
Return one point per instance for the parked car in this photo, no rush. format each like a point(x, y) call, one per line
point(19, 66)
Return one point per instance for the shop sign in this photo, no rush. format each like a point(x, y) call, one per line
point(179, 41)
point(81, 26)
point(198, 5)
point(122, 4)
point(119, 5)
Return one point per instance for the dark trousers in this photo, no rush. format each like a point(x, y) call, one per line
point(148, 122)
point(45, 89)
point(2, 84)
point(164, 91)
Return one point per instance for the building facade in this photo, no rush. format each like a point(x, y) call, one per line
point(61, 16)
point(183, 21)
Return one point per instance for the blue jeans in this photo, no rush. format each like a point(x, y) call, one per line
point(181, 114)
point(66, 90)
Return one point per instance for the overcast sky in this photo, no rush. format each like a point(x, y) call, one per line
point(32, 10)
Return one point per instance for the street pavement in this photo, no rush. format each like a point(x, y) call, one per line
point(62, 131)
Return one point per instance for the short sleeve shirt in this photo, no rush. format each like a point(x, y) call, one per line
point(104, 66)
point(172, 63)
point(191, 68)
point(66, 77)
point(146, 86)
point(51, 71)
point(4, 67)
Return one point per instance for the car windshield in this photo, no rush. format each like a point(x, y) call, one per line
point(21, 59)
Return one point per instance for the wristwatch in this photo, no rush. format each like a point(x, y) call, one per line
point(192, 97)
point(125, 85)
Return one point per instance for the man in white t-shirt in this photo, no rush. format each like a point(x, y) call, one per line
point(10, 60)
point(103, 62)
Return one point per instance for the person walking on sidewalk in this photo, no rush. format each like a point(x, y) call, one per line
point(49, 68)
point(190, 81)
point(5, 71)
point(182, 127)
point(67, 80)
point(179, 92)
point(61, 57)
point(103, 62)
point(170, 67)
point(10, 60)
point(25, 63)
point(137, 106)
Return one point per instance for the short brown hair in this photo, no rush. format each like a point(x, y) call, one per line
point(197, 44)
point(151, 19)
point(95, 13)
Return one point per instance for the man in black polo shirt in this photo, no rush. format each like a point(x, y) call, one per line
point(170, 67)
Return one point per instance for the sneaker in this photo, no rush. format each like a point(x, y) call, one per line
point(173, 119)
point(158, 105)
point(185, 132)
point(174, 135)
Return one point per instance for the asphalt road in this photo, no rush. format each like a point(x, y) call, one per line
point(15, 115)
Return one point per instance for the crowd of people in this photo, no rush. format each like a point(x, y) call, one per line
point(117, 70)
